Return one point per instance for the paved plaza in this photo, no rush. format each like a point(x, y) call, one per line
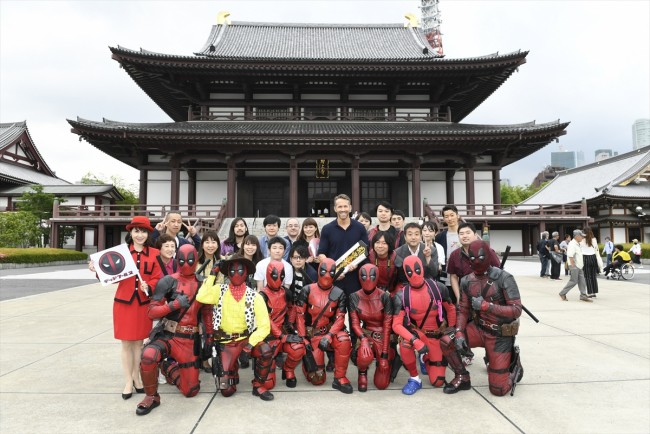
point(587, 370)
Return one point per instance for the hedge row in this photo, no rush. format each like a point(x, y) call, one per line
point(645, 248)
point(39, 255)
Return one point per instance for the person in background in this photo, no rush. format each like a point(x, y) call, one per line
point(167, 246)
point(209, 258)
point(238, 231)
point(544, 254)
point(619, 257)
point(172, 225)
point(276, 253)
point(384, 213)
point(554, 246)
point(131, 324)
point(429, 233)
point(250, 249)
point(382, 255)
point(574, 255)
point(608, 250)
point(564, 245)
point(309, 237)
point(271, 225)
point(636, 252)
point(397, 219)
point(365, 219)
point(293, 234)
point(448, 239)
point(593, 263)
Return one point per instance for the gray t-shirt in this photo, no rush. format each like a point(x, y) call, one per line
point(452, 244)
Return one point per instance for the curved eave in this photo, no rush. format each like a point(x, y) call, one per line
point(153, 73)
point(506, 144)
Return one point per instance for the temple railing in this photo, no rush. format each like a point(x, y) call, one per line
point(510, 212)
point(223, 115)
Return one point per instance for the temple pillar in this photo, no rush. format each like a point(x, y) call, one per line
point(356, 185)
point(191, 191)
point(142, 194)
point(470, 191)
point(231, 189)
point(101, 237)
point(496, 189)
point(449, 186)
point(415, 188)
point(293, 187)
point(175, 197)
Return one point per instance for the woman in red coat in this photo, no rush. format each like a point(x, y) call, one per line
point(131, 324)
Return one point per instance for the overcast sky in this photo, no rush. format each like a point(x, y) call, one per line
point(589, 63)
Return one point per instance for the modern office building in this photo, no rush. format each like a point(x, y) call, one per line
point(603, 154)
point(640, 133)
point(564, 159)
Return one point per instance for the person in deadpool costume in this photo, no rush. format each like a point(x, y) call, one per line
point(320, 320)
point(373, 308)
point(423, 313)
point(283, 337)
point(491, 296)
point(240, 323)
point(177, 334)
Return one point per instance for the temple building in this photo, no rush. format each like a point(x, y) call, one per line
point(279, 118)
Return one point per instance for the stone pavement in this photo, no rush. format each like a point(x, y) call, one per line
point(587, 369)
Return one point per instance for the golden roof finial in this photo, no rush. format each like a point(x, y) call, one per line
point(222, 17)
point(412, 20)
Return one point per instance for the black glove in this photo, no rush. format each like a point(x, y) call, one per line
point(461, 345)
point(206, 351)
point(293, 339)
point(180, 302)
point(477, 302)
point(324, 343)
point(216, 268)
point(245, 354)
point(420, 346)
point(308, 345)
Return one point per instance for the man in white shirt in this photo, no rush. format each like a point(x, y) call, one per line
point(276, 251)
point(577, 276)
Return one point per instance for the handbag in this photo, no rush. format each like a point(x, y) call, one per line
point(557, 257)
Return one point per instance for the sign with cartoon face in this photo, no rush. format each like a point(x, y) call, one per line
point(114, 264)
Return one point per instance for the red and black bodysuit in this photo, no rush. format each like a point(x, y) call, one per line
point(282, 337)
point(492, 296)
point(386, 271)
point(174, 303)
point(320, 320)
point(423, 312)
point(371, 317)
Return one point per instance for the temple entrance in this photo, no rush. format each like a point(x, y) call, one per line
point(271, 197)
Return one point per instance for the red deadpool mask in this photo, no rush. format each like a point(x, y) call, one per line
point(186, 257)
point(237, 272)
point(326, 272)
point(275, 275)
point(414, 271)
point(368, 277)
point(479, 256)
point(112, 263)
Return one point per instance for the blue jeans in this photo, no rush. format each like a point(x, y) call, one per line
point(544, 260)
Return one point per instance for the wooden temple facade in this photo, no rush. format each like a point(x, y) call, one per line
point(279, 118)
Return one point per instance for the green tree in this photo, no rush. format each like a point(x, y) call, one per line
point(20, 229)
point(514, 194)
point(41, 204)
point(127, 191)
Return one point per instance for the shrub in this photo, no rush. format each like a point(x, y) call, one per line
point(645, 249)
point(39, 255)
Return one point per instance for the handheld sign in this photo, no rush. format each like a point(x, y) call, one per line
point(355, 255)
point(115, 264)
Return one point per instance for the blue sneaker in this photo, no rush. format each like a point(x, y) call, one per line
point(423, 365)
point(411, 387)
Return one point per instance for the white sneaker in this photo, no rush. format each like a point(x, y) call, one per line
point(161, 379)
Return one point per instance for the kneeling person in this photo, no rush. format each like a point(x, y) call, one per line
point(240, 323)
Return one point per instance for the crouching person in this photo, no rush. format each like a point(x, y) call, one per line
point(176, 335)
point(240, 323)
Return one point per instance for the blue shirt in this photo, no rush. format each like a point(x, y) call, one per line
point(335, 241)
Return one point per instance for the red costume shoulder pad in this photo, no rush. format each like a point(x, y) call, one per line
point(398, 302)
point(336, 293)
point(165, 288)
point(353, 301)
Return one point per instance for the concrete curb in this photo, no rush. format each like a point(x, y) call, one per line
point(11, 266)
